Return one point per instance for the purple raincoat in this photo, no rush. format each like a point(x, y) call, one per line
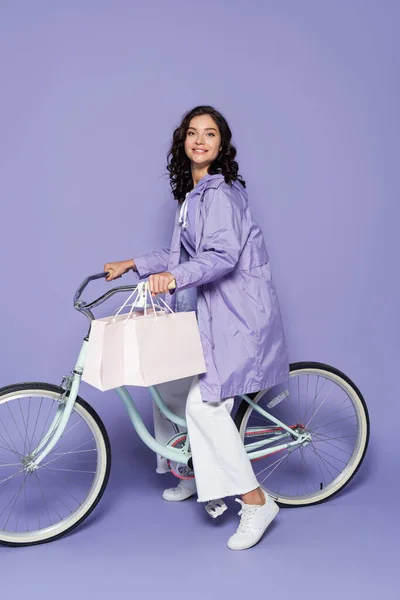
point(237, 307)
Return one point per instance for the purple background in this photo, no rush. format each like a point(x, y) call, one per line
point(90, 94)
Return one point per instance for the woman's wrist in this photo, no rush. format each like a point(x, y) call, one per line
point(131, 264)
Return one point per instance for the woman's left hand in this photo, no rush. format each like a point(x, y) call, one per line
point(159, 283)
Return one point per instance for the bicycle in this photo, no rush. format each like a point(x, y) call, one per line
point(55, 454)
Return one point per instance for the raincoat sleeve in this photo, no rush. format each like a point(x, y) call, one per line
point(153, 262)
point(221, 242)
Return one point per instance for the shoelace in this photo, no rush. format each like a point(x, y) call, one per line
point(246, 515)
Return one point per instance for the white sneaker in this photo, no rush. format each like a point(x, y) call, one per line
point(253, 523)
point(184, 489)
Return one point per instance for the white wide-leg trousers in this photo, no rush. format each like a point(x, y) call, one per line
point(222, 467)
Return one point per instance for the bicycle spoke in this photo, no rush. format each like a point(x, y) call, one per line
point(319, 466)
point(284, 468)
point(306, 399)
point(324, 460)
point(60, 441)
point(339, 410)
point(329, 437)
point(26, 509)
point(44, 500)
point(15, 451)
point(70, 470)
point(8, 449)
point(301, 463)
point(10, 501)
point(294, 417)
point(63, 503)
point(5, 486)
point(67, 492)
point(333, 445)
point(298, 395)
point(13, 418)
point(45, 424)
point(15, 502)
point(333, 430)
point(63, 454)
point(54, 426)
point(25, 423)
point(70, 429)
point(276, 463)
point(320, 461)
point(76, 451)
point(11, 477)
point(317, 392)
point(331, 456)
point(319, 407)
point(34, 429)
point(333, 422)
point(58, 514)
point(329, 422)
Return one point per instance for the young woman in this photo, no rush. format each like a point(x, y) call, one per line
point(220, 265)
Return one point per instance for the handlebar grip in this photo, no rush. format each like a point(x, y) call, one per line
point(172, 285)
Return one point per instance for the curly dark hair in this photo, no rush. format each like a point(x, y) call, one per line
point(179, 166)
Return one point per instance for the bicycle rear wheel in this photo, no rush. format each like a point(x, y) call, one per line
point(44, 504)
point(325, 403)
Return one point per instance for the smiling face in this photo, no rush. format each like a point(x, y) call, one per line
point(203, 141)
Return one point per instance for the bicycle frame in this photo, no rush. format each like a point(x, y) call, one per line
point(56, 429)
point(255, 450)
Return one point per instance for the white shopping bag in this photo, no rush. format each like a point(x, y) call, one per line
point(143, 350)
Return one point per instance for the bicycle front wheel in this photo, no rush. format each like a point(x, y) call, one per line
point(325, 404)
point(43, 504)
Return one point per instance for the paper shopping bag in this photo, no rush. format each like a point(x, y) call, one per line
point(104, 358)
point(168, 347)
point(143, 350)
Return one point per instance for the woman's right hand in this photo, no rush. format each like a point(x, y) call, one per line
point(117, 269)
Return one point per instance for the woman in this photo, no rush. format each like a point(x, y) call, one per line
point(220, 265)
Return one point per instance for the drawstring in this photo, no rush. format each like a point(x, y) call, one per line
point(183, 213)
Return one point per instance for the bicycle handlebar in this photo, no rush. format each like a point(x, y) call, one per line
point(83, 285)
point(83, 307)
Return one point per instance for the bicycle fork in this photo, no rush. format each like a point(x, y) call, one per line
point(61, 418)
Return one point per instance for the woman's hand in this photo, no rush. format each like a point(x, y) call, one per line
point(159, 283)
point(117, 269)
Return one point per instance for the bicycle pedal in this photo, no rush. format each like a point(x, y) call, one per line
point(215, 508)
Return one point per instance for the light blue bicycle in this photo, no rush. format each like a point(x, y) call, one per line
point(307, 439)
